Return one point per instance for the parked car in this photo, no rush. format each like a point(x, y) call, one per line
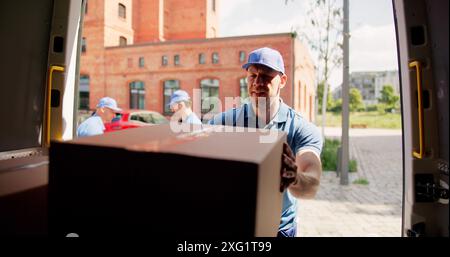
point(135, 119)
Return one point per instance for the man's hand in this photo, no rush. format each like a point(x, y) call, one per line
point(288, 168)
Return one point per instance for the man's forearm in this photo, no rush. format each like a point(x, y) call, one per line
point(305, 187)
point(308, 176)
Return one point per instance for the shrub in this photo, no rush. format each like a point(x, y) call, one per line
point(352, 166)
point(372, 108)
point(361, 108)
point(337, 106)
point(381, 108)
point(329, 156)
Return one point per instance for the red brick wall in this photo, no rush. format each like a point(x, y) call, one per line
point(92, 61)
point(184, 19)
point(111, 69)
point(146, 20)
point(115, 26)
point(189, 72)
point(304, 89)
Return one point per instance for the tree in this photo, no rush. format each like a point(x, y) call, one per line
point(323, 33)
point(330, 101)
point(389, 97)
point(355, 99)
point(337, 106)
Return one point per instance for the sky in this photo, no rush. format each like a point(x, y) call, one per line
point(372, 30)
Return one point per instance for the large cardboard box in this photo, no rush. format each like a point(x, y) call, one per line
point(152, 181)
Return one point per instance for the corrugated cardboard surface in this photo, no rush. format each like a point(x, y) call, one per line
point(152, 181)
point(23, 196)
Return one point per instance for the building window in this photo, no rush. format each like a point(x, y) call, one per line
point(86, 7)
point(141, 62)
point(241, 56)
point(83, 45)
point(122, 11)
point(122, 41)
point(83, 90)
point(210, 94)
point(201, 58)
point(169, 86)
point(243, 89)
point(176, 59)
point(304, 98)
point(213, 5)
point(215, 58)
point(137, 95)
point(164, 60)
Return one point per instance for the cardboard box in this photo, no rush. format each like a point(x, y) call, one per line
point(152, 181)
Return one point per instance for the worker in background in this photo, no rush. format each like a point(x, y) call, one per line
point(180, 104)
point(105, 112)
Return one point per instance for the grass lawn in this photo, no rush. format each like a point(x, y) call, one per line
point(370, 119)
point(361, 181)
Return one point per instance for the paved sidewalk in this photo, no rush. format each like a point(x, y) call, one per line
point(360, 210)
point(369, 132)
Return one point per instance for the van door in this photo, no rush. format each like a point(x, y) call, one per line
point(39, 70)
point(422, 38)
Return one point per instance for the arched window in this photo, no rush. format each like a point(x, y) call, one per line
point(84, 92)
point(243, 89)
point(210, 89)
point(169, 86)
point(122, 11)
point(122, 41)
point(137, 95)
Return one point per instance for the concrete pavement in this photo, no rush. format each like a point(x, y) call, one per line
point(359, 210)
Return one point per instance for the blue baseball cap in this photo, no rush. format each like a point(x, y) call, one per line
point(266, 56)
point(109, 103)
point(178, 96)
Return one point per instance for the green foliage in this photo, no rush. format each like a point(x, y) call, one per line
point(355, 100)
point(337, 106)
point(361, 181)
point(320, 89)
point(382, 108)
point(371, 108)
point(389, 98)
point(352, 166)
point(329, 156)
point(371, 119)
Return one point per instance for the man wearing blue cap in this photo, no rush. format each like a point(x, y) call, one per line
point(301, 166)
point(180, 104)
point(106, 110)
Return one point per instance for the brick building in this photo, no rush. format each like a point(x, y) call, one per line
point(140, 51)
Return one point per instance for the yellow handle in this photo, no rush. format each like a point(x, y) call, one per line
point(417, 66)
point(48, 104)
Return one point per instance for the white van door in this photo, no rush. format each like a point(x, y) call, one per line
point(422, 38)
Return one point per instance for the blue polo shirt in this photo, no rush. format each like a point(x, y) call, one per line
point(91, 127)
point(193, 119)
point(301, 135)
